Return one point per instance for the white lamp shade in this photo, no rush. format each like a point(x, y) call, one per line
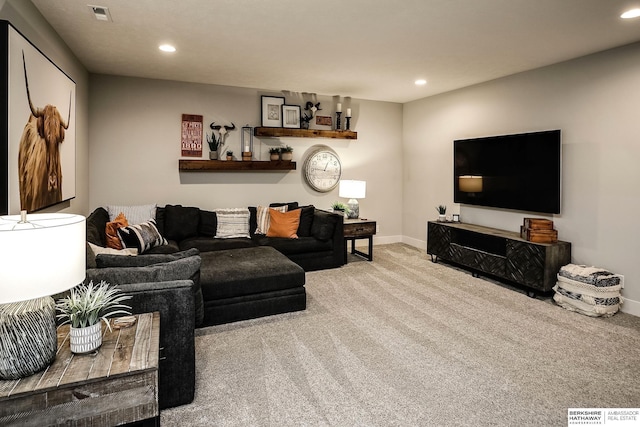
point(42, 257)
point(351, 189)
point(470, 183)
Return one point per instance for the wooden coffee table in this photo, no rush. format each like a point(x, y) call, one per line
point(115, 385)
point(359, 229)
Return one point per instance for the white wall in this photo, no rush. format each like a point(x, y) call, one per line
point(595, 100)
point(135, 147)
point(28, 20)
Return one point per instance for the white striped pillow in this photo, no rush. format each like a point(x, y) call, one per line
point(135, 214)
point(263, 217)
point(232, 223)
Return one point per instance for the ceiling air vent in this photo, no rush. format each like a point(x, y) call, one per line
point(101, 13)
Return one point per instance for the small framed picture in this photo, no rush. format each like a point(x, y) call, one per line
point(323, 121)
point(456, 217)
point(291, 116)
point(272, 111)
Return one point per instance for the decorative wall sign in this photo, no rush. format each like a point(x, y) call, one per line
point(272, 111)
point(323, 120)
point(191, 133)
point(38, 127)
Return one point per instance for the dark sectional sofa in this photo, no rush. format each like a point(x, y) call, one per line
point(320, 242)
point(198, 280)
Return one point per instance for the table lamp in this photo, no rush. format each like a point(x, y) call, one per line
point(352, 190)
point(42, 255)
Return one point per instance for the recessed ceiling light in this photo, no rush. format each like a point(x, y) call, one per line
point(421, 82)
point(633, 13)
point(167, 48)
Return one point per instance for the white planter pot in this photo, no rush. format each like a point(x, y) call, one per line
point(85, 340)
point(287, 157)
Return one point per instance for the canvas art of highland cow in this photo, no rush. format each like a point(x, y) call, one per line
point(39, 166)
point(38, 136)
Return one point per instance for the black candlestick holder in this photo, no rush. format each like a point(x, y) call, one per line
point(338, 124)
point(348, 119)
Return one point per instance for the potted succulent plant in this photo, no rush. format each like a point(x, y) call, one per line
point(229, 155)
point(286, 153)
point(213, 146)
point(274, 154)
point(340, 207)
point(442, 210)
point(84, 308)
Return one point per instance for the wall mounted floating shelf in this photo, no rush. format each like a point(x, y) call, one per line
point(305, 133)
point(230, 166)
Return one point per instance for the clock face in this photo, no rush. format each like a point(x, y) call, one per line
point(322, 170)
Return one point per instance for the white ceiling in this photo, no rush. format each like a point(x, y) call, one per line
point(369, 49)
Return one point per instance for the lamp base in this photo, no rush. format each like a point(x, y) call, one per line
point(28, 340)
point(354, 209)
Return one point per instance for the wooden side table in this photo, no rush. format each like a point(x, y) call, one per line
point(359, 229)
point(116, 385)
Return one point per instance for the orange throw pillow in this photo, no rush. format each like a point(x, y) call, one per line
point(284, 224)
point(113, 241)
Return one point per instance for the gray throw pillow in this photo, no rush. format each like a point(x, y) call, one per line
point(106, 260)
point(173, 270)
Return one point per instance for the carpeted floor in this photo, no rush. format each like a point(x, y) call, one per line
point(402, 341)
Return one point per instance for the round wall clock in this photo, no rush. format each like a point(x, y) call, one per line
point(322, 170)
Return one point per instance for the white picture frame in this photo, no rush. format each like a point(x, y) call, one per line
point(272, 111)
point(291, 116)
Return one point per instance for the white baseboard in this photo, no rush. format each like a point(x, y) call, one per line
point(383, 240)
point(630, 307)
point(416, 243)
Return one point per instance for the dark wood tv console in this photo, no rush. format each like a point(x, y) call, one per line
point(499, 253)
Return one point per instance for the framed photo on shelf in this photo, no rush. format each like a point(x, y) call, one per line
point(291, 116)
point(272, 111)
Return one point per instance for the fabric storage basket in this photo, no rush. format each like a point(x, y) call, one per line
point(588, 290)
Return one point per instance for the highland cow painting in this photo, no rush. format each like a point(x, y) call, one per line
point(39, 122)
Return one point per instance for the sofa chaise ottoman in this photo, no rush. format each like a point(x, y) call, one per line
point(240, 284)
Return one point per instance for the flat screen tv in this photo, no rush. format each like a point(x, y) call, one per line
point(520, 172)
